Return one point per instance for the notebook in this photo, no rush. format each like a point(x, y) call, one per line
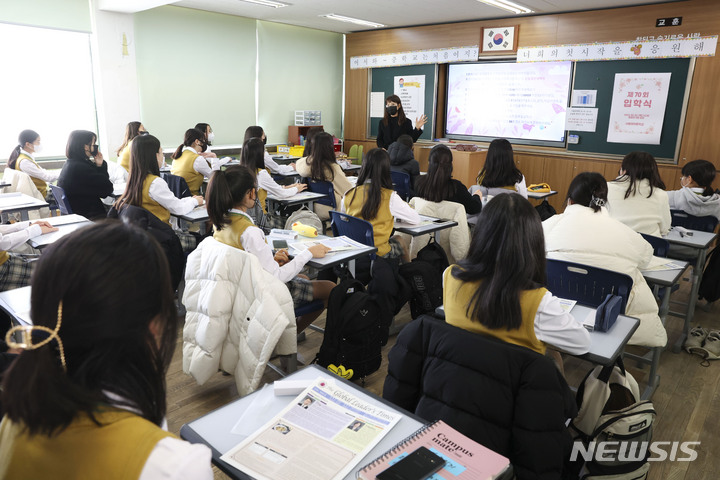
point(466, 459)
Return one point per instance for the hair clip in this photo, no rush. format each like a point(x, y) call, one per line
point(597, 201)
point(26, 335)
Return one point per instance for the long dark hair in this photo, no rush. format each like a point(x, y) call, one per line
point(702, 173)
point(191, 134)
point(376, 169)
point(401, 113)
point(499, 169)
point(639, 166)
point(588, 189)
point(323, 158)
point(203, 127)
point(108, 313)
point(75, 148)
point(253, 154)
point(312, 131)
point(226, 189)
point(508, 255)
point(436, 185)
point(26, 136)
point(132, 130)
point(143, 162)
point(253, 131)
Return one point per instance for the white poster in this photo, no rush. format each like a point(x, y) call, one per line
point(638, 107)
point(411, 90)
point(583, 98)
point(581, 119)
point(377, 104)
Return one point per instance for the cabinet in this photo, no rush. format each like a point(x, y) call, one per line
point(294, 132)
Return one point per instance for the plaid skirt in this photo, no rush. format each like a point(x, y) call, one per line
point(301, 291)
point(15, 273)
point(396, 249)
point(187, 240)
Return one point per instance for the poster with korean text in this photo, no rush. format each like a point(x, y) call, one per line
point(638, 108)
point(411, 90)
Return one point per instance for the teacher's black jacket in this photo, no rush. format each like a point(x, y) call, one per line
point(85, 184)
point(389, 133)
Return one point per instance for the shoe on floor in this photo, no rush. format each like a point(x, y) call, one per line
point(696, 339)
point(712, 345)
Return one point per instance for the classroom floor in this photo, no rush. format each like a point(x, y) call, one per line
point(687, 401)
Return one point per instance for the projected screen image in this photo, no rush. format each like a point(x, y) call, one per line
point(523, 101)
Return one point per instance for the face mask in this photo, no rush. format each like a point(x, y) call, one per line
point(392, 109)
point(211, 136)
point(38, 148)
point(144, 133)
point(94, 150)
point(265, 141)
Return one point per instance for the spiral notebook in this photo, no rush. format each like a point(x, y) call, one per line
point(465, 458)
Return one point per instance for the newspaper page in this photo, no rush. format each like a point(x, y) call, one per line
point(322, 435)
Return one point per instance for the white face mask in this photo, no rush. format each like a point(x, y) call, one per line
point(211, 136)
point(38, 148)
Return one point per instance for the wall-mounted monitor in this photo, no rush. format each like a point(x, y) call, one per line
point(523, 102)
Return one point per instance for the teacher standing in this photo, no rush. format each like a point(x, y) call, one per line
point(394, 123)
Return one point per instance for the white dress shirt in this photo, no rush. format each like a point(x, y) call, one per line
point(17, 233)
point(36, 171)
point(266, 182)
point(275, 167)
point(253, 241)
point(201, 164)
point(161, 193)
point(558, 328)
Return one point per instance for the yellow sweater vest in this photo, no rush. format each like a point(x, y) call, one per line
point(230, 234)
point(456, 298)
point(183, 166)
point(151, 205)
point(262, 195)
point(115, 450)
point(383, 221)
point(124, 157)
point(39, 183)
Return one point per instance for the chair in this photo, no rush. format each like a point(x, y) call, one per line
point(356, 152)
point(177, 184)
point(326, 188)
point(661, 247)
point(61, 199)
point(401, 184)
point(355, 228)
point(683, 219)
point(455, 241)
point(588, 285)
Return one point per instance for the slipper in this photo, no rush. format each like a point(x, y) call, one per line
point(712, 345)
point(695, 340)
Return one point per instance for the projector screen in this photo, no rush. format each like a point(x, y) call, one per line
point(523, 102)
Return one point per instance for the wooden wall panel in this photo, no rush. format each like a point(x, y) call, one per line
point(559, 174)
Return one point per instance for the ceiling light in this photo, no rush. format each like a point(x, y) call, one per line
point(364, 23)
point(267, 3)
point(506, 5)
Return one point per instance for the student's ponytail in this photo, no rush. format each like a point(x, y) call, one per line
point(191, 134)
point(13, 157)
point(702, 173)
point(26, 136)
point(178, 151)
point(227, 189)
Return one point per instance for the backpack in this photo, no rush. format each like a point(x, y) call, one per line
point(610, 410)
point(306, 217)
point(424, 274)
point(710, 283)
point(545, 210)
point(354, 334)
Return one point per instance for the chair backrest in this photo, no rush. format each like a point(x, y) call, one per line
point(660, 245)
point(360, 154)
point(352, 153)
point(401, 184)
point(177, 184)
point(683, 219)
point(61, 199)
point(585, 284)
point(326, 188)
point(356, 228)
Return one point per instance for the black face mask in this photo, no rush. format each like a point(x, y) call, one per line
point(93, 150)
point(265, 141)
point(392, 109)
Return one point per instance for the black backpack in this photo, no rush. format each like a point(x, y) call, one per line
point(354, 332)
point(424, 274)
point(710, 283)
point(545, 210)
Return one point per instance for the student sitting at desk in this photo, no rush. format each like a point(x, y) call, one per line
point(438, 185)
point(637, 197)
point(272, 166)
point(586, 234)
point(374, 200)
point(147, 190)
point(312, 131)
point(132, 130)
point(322, 167)
point(22, 158)
point(209, 137)
point(190, 164)
point(84, 177)
point(403, 160)
point(498, 289)
point(231, 193)
point(87, 395)
point(499, 174)
point(15, 270)
point(696, 196)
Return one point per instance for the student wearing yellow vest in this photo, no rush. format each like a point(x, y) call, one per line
point(147, 190)
point(209, 137)
point(86, 398)
point(22, 158)
point(499, 174)
point(374, 200)
point(270, 164)
point(132, 130)
point(189, 163)
point(15, 270)
point(497, 290)
point(231, 193)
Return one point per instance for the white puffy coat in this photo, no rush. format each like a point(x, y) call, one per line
point(456, 240)
point(582, 236)
point(237, 315)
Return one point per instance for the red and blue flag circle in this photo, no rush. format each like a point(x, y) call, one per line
point(498, 39)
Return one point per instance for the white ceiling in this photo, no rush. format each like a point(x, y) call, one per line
point(392, 13)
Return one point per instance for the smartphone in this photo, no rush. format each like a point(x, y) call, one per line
point(419, 465)
point(440, 220)
point(278, 244)
point(94, 150)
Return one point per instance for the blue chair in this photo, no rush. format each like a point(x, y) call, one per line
point(356, 228)
point(401, 184)
point(177, 184)
point(585, 284)
point(326, 188)
point(661, 247)
point(61, 199)
point(683, 219)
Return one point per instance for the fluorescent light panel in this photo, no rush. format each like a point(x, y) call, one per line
point(357, 21)
point(506, 5)
point(267, 3)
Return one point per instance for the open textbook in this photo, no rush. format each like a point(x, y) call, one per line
point(335, 244)
point(322, 435)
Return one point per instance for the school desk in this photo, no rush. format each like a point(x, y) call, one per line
point(197, 216)
point(540, 196)
point(16, 303)
point(301, 198)
point(434, 225)
point(17, 202)
point(284, 159)
point(66, 225)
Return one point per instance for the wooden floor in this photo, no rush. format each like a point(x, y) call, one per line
point(687, 400)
